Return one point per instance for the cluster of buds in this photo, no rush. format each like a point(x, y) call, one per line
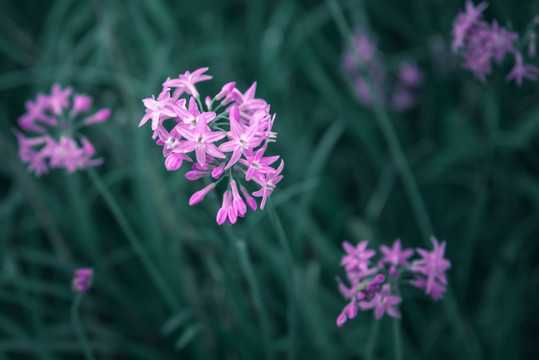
point(54, 121)
point(82, 279)
point(480, 44)
point(396, 88)
point(228, 134)
point(368, 289)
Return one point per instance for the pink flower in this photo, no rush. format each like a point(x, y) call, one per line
point(394, 87)
point(465, 22)
point(81, 103)
point(349, 312)
point(409, 74)
point(226, 212)
point(159, 109)
point(225, 91)
point(396, 255)
point(241, 140)
point(436, 291)
point(59, 99)
point(98, 117)
point(268, 184)
point(246, 123)
point(247, 104)
point(82, 280)
point(356, 257)
point(200, 140)
point(521, 71)
point(433, 265)
point(383, 302)
point(199, 195)
point(191, 116)
point(483, 43)
point(57, 145)
point(258, 165)
point(186, 82)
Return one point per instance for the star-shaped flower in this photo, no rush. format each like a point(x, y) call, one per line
point(356, 257)
point(240, 139)
point(268, 184)
point(383, 302)
point(396, 255)
point(186, 82)
point(433, 265)
point(200, 139)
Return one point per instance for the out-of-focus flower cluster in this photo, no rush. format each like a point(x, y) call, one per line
point(395, 87)
point(480, 44)
point(368, 287)
point(53, 121)
point(225, 137)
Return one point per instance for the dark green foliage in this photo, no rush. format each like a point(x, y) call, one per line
point(472, 149)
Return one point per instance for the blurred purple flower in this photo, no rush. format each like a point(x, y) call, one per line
point(433, 265)
point(55, 145)
point(82, 280)
point(242, 118)
point(396, 255)
point(383, 302)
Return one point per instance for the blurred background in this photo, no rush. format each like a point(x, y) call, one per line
point(471, 149)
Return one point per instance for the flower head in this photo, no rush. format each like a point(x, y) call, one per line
point(480, 44)
point(229, 135)
point(395, 87)
point(54, 123)
point(368, 288)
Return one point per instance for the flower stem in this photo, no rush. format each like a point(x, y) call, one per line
point(371, 345)
point(281, 235)
point(397, 336)
point(86, 349)
point(133, 240)
point(262, 314)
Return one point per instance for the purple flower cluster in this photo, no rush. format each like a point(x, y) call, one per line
point(367, 289)
point(480, 44)
point(396, 87)
point(82, 280)
point(52, 119)
point(228, 134)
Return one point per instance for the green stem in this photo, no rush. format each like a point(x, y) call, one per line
point(371, 345)
point(133, 240)
point(86, 349)
point(281, 235)
point(397, 335)
point(262, 314)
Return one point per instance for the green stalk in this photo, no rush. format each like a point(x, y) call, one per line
point(397, 335)
point(281, 235)
point(134, 240)
point(261, 311)
point(86, 349)
point(371, 345)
